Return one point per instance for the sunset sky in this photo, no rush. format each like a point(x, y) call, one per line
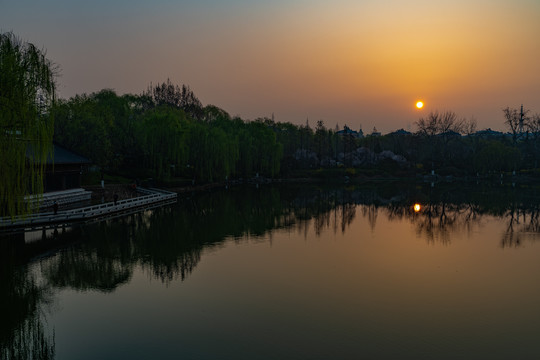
point(363, 63)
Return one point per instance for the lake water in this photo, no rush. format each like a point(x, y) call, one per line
point(297, 272)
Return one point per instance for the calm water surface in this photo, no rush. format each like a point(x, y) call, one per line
point(285, 273)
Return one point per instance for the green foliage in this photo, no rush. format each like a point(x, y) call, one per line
point(153, 134)
point(496, 156)
point(167, 134)
point(91, 119)
point(27, 93)
point(262, 154)
point(161, 135)
point(214, 114)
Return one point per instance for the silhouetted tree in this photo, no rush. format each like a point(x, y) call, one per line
point(176, 96)
point(27, 96)
point(440, 123)
point(442, 131)
point(515, 121)
point(533, 126)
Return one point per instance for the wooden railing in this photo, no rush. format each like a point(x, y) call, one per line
point(61, 197)
point(152, 196)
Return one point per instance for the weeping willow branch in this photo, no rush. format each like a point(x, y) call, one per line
point(27, 93)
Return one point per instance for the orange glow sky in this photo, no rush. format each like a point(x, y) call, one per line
point(360, 63)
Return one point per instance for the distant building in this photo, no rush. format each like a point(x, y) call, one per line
point(449, 134)
point(375, 132)
point(400, 132)
point(488, 133)
point(349, 132)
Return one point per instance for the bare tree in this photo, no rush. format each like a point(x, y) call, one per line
point(533, 125)
point(439, 123)
point(440, 129)
point(516, 121)
point(428, 126)
point(469, 126)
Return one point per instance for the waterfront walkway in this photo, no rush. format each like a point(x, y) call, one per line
point(150, 198)
point(64, 197)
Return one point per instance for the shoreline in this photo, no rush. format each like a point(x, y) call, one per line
point(507, 179)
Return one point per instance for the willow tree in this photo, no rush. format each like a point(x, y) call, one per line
point(162, 136)
point(27, 93)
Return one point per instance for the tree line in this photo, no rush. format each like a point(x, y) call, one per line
point(438, 144)
point(166, 133)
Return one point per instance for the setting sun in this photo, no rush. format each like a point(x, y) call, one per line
point(419, 104)
point(417, 207)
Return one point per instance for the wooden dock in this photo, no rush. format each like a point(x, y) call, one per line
point(151, 198)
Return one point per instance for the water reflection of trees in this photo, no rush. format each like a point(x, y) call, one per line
point(521, 221)
point(167, 243)
point(446, 210)
point(22, 334)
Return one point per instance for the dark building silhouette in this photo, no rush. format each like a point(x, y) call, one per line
point(64, 169)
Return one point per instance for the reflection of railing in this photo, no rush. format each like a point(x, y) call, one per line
point(152, 196)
